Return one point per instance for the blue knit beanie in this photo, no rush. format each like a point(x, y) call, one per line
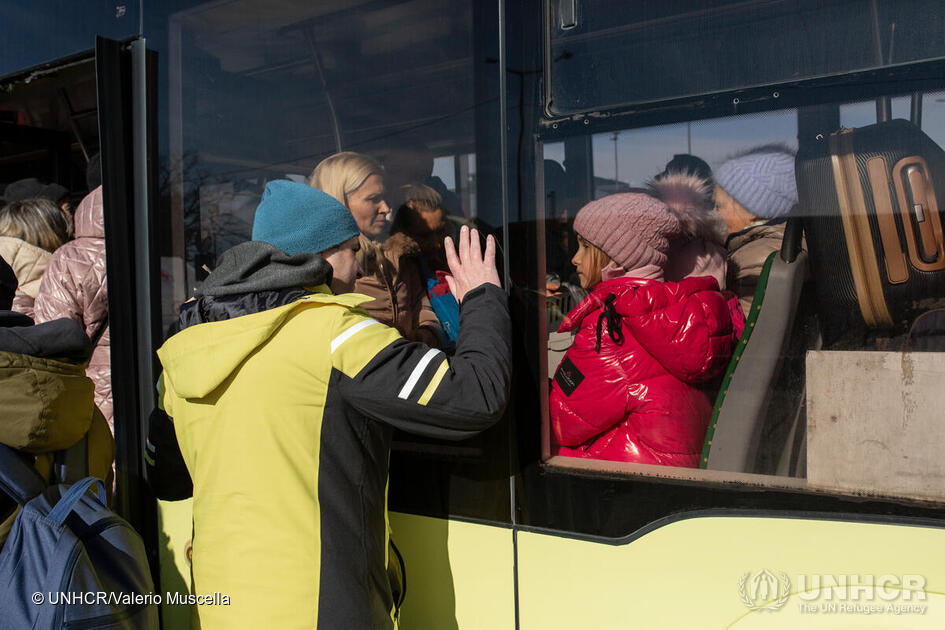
point(762, 180)
point(297, 218)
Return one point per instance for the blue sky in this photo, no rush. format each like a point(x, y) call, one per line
point(642, 153)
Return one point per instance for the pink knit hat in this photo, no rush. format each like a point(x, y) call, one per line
point(634, 229)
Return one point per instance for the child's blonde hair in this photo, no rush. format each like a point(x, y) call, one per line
point(39, 222)
point(343, 173)
point(594, 262)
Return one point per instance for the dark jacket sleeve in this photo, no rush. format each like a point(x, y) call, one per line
point(167, 473)
point(420, 390)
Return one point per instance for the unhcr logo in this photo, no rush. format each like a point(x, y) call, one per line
point(863, 594)
point(764, 590)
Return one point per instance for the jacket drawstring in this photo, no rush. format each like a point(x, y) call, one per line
point(613, 323)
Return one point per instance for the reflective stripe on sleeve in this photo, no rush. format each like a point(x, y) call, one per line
point(434, 383)
point(417, 373)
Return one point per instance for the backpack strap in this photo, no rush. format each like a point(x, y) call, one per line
point(72, 464)
point(66, 504)
point(18, 479)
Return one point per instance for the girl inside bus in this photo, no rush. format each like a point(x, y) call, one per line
point(392, 272)
point(30, 231)
point(631, 386)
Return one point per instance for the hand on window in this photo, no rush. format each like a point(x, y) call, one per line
point(471, 268)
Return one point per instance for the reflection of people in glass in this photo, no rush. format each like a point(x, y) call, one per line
point(628, 388)
point(700, 248)
point(559, 210)
point(411, 162)
point(420, 223)
point(754, 194)
point(392, 275)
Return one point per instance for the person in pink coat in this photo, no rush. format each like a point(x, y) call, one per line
point(634, 386)
point(74, 286)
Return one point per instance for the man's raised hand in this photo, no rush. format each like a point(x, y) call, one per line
point(470, 268)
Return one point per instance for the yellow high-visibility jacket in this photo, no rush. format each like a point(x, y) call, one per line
point(284, 419)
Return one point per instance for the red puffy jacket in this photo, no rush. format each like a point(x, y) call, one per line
point(627, 388)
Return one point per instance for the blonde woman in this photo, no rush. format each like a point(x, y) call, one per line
point(392, 272)
point(30, 230)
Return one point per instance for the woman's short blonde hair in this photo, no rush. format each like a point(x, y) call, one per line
point(343, 173)
point(39, 222)
point(594, 262)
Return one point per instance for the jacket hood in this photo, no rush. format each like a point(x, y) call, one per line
point(690, 198)
point(199, 359)
point(27, 261)
point(47, 398)
point(60, 338)
point(257, 266)
point(89, 218)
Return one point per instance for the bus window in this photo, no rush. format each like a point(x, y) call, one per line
point(780, 177)
point(658, 51)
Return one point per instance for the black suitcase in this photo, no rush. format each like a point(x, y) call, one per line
point(868, 201)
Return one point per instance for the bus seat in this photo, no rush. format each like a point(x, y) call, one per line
point(758, 416)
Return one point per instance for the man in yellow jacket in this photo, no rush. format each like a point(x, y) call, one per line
point(284, 396)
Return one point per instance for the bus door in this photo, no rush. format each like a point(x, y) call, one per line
point(127, 97)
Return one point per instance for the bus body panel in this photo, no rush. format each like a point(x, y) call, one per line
point(175, 536)
point(459, 574)
point(704, 573)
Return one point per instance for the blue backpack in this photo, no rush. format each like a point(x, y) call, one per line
point(70, 561)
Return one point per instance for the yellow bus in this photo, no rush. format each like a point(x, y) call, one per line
point(820, 498)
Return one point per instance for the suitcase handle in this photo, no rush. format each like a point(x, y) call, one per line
point(918, 209)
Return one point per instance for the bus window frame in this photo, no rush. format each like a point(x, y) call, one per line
point(737, 96)
point(923, 76)
point(806, 97)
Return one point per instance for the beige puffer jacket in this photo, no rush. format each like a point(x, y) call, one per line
point(74, 287)
point(28, 263)
point(747, 251)
point(392, 276)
